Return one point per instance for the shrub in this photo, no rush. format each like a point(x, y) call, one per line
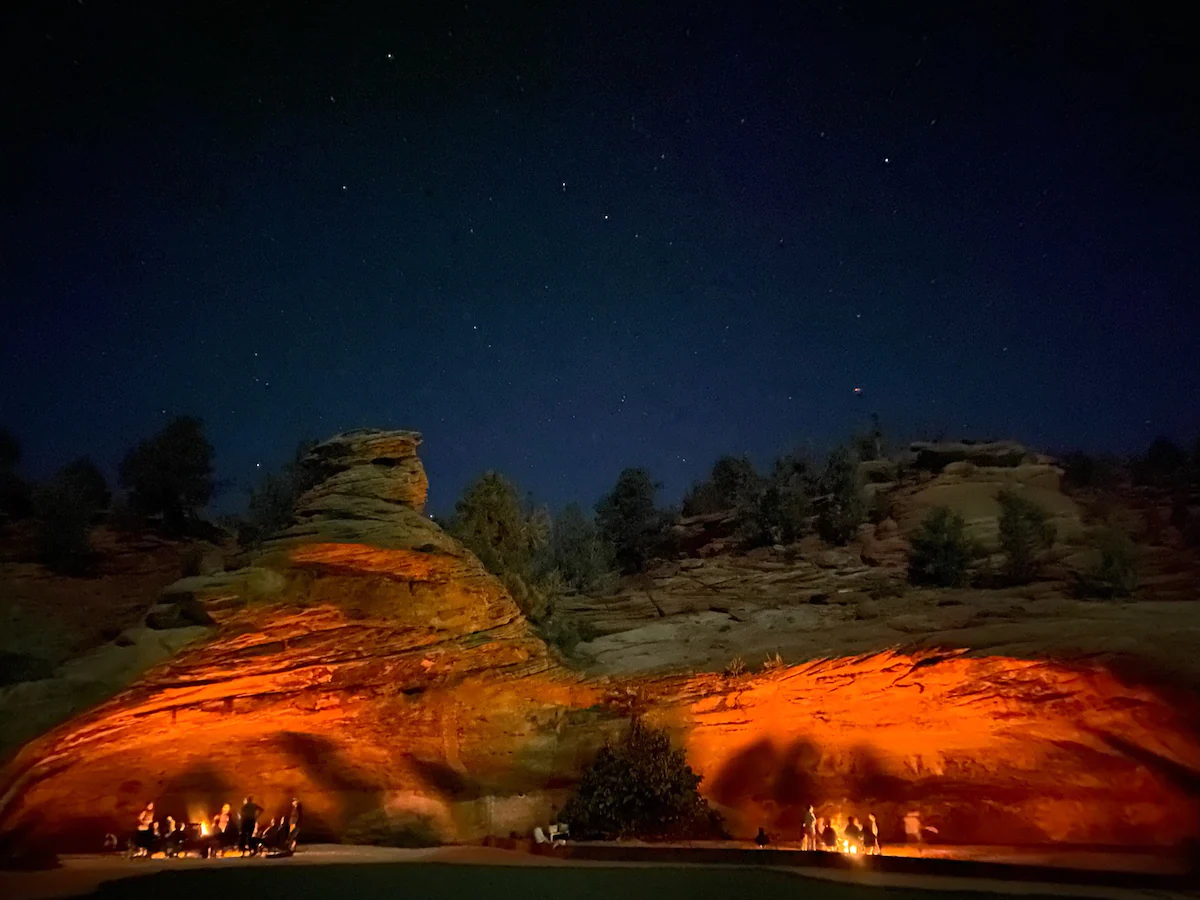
point(566, 632)
point(842, 508)
point(65, 508)
point(1116, 573)
point(771, 663)
point(273, 500)
point(940, 550)
point(629, 521)
point(886, 589)
point(18, 667)
point(732, 484)
point(383, 829)
point(640, 787)
point(16, 499)
point(1163, 462)
point(170, 473)
point(1025, 532)
point(85, 480)
point(578, 551)
point(1081, 470)
point(10, 449)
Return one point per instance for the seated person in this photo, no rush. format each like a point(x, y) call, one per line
point(829, 837)
point(853, 832)
point(172, 838)
point(268, 837)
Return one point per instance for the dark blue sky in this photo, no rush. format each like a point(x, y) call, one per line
point(564, 238)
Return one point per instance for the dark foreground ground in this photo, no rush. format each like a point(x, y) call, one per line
point(479, 873)
point(435, 881)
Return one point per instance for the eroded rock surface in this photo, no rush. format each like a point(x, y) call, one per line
point(363, 660)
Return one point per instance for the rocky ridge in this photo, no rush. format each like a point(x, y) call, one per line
point(365, 660)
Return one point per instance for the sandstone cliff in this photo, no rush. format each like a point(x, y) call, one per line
point(366, 661)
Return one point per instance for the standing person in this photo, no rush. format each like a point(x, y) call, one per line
point(871, 836)
point(144, 838)
point(224, 835)
point(248, 817)
point(913, 832)
point(809, 839)
point(293, 830)
point(761, 838)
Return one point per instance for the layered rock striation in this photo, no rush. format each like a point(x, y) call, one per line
point(366, 662)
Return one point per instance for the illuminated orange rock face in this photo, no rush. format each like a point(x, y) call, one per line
point(989, 750)
point(485, 735)
point(365, 661)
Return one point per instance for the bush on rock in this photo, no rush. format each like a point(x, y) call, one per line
point(940, 550)
point(640, 787)
point(1025, 533)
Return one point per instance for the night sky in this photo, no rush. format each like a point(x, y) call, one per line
point(564, 238)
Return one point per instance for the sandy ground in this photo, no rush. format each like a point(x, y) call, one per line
point(81, 875)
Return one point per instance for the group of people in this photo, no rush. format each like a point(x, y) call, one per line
point(819, 833)
point(245, 834)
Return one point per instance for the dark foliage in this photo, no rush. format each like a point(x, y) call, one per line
point(16, 499)
point(1025, 533)
point(170, 474)
point(1081, 470)
point(273, 500)
point(65, 508)
point(18, 667)
point(630, 522)
point(1164, 462)
point(640, 787)
point(10, 449)
point(941, 551)
point(781, 510)
point(577, 551)
point(870, 444)
point(732, 484)
point(1116, 572)
point(566, 632)
point(507, 536)
point(83, 478)
point(842, 508)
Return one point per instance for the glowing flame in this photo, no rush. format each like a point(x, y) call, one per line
point(850, 848)
point(204, 829)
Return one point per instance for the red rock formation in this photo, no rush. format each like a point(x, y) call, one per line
point(366, 661)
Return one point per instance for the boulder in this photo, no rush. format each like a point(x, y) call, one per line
point(878, 470)
point(936, 455)
point(835, 558)
point(184, 613)
point(883, 545)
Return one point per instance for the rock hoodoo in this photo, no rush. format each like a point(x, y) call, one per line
point(366, 661)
